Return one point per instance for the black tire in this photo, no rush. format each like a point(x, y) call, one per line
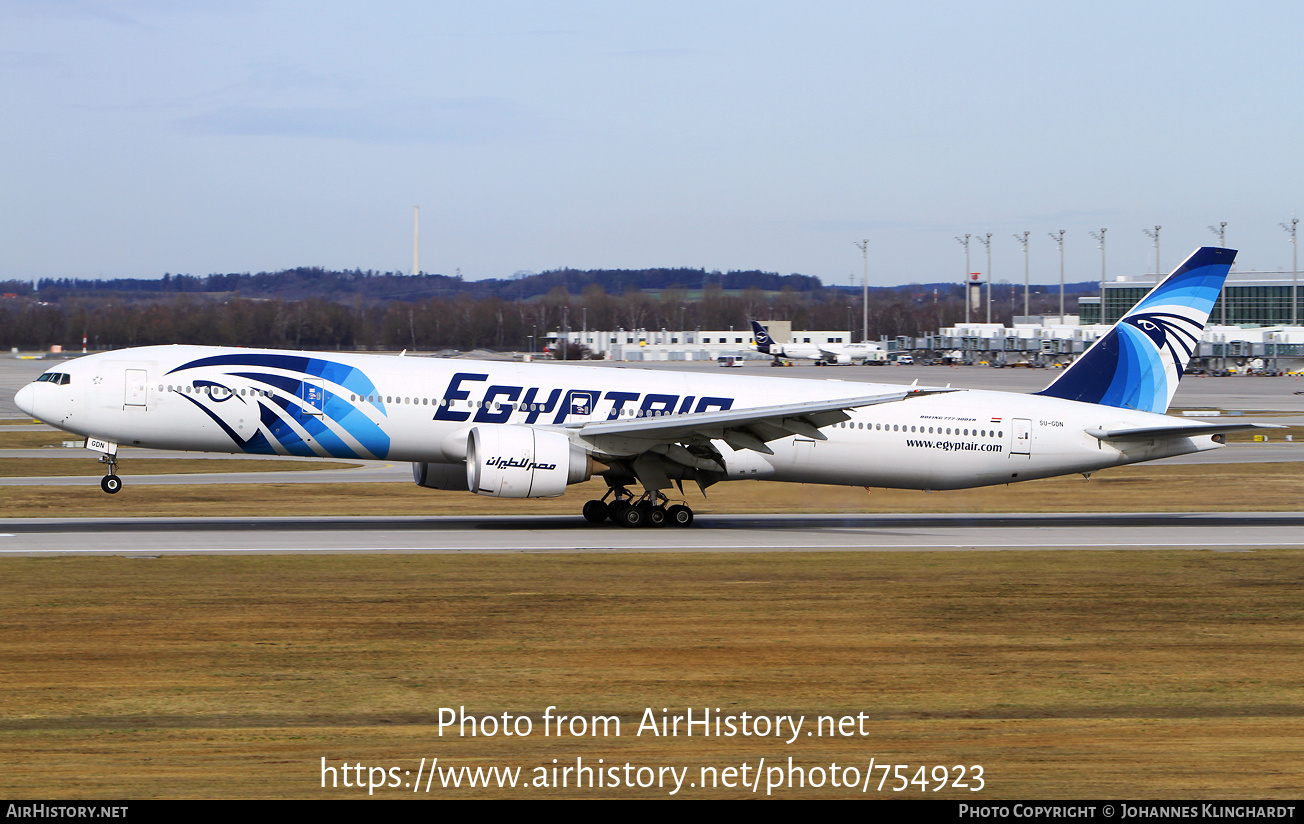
point(655, 516)
point(111, 484)
point(595, 512)
point(614, 509)
point(679, 515)
point(631, 516)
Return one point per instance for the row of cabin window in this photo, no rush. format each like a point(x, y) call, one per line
point(213, 390)
point(977, 433)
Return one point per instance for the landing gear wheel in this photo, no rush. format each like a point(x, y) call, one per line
point(679, 515)
point(654, 515)
point(111, 483)
point(595, 512)
point(615, 509)
point(631, 516)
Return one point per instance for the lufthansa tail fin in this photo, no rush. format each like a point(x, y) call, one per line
point(763, 339)
point(1137, 364)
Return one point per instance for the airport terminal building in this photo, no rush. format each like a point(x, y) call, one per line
point(1254, 324)
point(688, 344)
point(1249, 299)
point(1250, 327)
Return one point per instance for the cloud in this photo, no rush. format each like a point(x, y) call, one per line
point(466, 120)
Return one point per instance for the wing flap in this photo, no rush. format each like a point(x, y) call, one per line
point(748, 428)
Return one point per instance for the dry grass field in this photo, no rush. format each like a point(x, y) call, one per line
point(32, 440)
point(1064, 675)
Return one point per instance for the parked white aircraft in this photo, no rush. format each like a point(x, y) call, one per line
point(517, 430)
point(867, 352)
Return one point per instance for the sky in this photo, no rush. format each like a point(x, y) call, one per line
point(148, 136)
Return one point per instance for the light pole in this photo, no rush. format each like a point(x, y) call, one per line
point(864, 296)
point(1100, 238)
point(1023, 238)
point(1155, 237)
point(416, 240)
point(965, 280)
point(1294, 270)
point(565, 332)
point(1060, 240)
point(1221, 231)
point(987, 241)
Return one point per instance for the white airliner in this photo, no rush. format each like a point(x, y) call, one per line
point(866, 352)
point(528, 430)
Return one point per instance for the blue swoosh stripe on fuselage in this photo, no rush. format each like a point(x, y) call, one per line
point(350, 377)
point(256, 444)
point(285, 435)
point(351, 419)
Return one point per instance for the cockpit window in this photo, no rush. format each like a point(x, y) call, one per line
point(60, 378)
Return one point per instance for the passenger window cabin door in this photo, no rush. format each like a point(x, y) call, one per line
point(1022, 444)
point(313, 395)
point(136, 390)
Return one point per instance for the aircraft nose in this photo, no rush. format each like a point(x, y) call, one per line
point(25, 398)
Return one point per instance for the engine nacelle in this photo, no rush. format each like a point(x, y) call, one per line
point(451, 477)
point(521, 462)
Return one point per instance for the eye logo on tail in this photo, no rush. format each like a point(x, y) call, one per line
point(1174, 335)
point(1137, 364)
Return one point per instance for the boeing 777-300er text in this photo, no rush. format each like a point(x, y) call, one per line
point(868, 352)
point(527, 430)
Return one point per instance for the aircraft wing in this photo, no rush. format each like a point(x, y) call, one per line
point(1177, 430)
point(746, 428)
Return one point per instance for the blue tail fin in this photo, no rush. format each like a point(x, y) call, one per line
point(1137, 364)
point(763, 339)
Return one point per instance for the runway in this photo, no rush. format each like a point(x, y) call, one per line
point(719, 533)
point(391, 472)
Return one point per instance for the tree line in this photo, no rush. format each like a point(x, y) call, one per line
point(464, 321)
point(372, 286)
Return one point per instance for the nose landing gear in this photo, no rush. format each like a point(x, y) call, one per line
point(110, 483)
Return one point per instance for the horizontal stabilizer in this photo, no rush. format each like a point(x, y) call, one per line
point(1178, 430)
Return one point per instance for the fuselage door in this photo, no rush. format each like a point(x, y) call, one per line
point(1022, 437)
point(313, 395)
point(137, 389)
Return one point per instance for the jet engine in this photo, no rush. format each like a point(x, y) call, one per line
point(521, 462)
point(451, 477)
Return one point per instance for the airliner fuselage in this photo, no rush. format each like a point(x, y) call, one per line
point(383, 407)
point(520, 430)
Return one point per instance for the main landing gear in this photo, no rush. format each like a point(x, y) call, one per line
point(648, 510)
point(110, 483)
